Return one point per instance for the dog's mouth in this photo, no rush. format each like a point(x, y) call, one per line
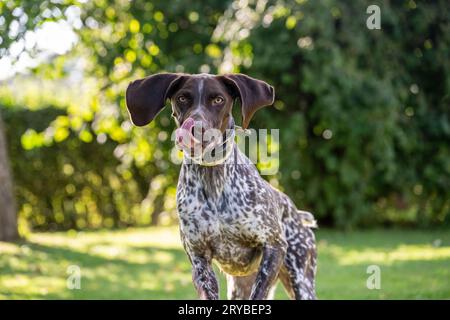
point(194, 138)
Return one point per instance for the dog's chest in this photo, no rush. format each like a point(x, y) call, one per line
point(210, 215)
point(217, 220)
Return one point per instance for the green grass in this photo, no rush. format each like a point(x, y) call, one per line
point(150, 264)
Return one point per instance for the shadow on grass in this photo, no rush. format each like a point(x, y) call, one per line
point(413, 265)
point(102, 277)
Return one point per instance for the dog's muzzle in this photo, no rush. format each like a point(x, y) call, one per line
point(205, 147)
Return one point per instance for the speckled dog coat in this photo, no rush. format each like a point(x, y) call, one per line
point(227, 212)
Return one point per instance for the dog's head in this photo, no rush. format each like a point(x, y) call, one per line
point(202, 101)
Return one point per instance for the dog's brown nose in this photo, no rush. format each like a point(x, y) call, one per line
point(198, 129)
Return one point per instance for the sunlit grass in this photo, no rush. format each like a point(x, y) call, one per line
point(401, 253)
point(150, 263)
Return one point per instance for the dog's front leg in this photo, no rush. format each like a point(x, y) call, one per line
point(272, 259)
point(204, 279)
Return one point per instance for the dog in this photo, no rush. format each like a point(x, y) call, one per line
point(227, 212)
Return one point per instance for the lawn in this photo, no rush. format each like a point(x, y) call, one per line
point(149, 263)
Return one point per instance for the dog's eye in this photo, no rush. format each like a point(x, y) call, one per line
point(218, 100)
point(182, 99)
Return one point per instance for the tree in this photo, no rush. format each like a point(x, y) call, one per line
point(8, 218)
point(364, 113)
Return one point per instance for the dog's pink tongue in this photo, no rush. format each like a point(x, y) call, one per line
point(184, 130)
point(188, 124)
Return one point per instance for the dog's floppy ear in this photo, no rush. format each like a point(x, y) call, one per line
point(146, 97)
point(254, 94)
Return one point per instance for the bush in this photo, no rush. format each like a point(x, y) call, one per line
point(364, 114)
point(74, 184)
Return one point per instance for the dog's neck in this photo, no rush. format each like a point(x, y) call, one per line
point(213, 178)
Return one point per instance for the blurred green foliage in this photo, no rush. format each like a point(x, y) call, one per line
point(368, 110)
point(76, 178)
point(364, 114)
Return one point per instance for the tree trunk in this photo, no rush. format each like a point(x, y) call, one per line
point(158, 207)
point(8, 218)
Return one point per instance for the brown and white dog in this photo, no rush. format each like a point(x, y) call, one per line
point(227, 212)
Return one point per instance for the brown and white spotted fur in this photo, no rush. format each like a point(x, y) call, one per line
point(227, 212)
